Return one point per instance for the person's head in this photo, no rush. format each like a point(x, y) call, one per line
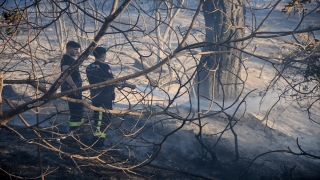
point(72, 48)
point(100, 53)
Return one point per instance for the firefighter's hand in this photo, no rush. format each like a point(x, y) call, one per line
point(120, 86)
point(123, 84)
point(133, 86)
point(75, 93)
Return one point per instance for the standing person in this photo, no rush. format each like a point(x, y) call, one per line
point(73, 81)
point(97, 72)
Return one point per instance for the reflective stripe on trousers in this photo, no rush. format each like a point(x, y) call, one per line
point(98, 132)
point(74, 124)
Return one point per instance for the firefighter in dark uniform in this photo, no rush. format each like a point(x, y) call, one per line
point(97, 72)
point(73, 81)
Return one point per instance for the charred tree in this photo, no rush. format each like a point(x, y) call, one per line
point(218, 73)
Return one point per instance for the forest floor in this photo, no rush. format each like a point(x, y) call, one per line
point(19, 160)
point(256, 135)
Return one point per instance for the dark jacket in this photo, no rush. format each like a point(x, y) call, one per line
point(68, 60)
point(99, 72)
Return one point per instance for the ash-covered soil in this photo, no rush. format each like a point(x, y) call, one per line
point(19, 160)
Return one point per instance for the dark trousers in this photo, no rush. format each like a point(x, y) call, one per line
point(76, 111)
point(102, 119)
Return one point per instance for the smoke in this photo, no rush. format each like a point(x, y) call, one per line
point(255, 103)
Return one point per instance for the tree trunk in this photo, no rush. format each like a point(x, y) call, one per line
point(1, 87)
point(218, 73)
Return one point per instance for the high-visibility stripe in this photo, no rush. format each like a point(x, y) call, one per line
point(73, 124)
point(100, 116)
point(99, 134)
point(99, 120)
point(69, 116)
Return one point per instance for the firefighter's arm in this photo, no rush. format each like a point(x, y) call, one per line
point(124, 84)
point(69, 79)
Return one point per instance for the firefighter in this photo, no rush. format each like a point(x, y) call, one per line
point(97, 72)
point(73, 81)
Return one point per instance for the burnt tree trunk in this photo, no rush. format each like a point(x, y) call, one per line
point(1, 87)
point(218, 73)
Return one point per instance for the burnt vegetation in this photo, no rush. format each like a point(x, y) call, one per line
point(188, 116)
